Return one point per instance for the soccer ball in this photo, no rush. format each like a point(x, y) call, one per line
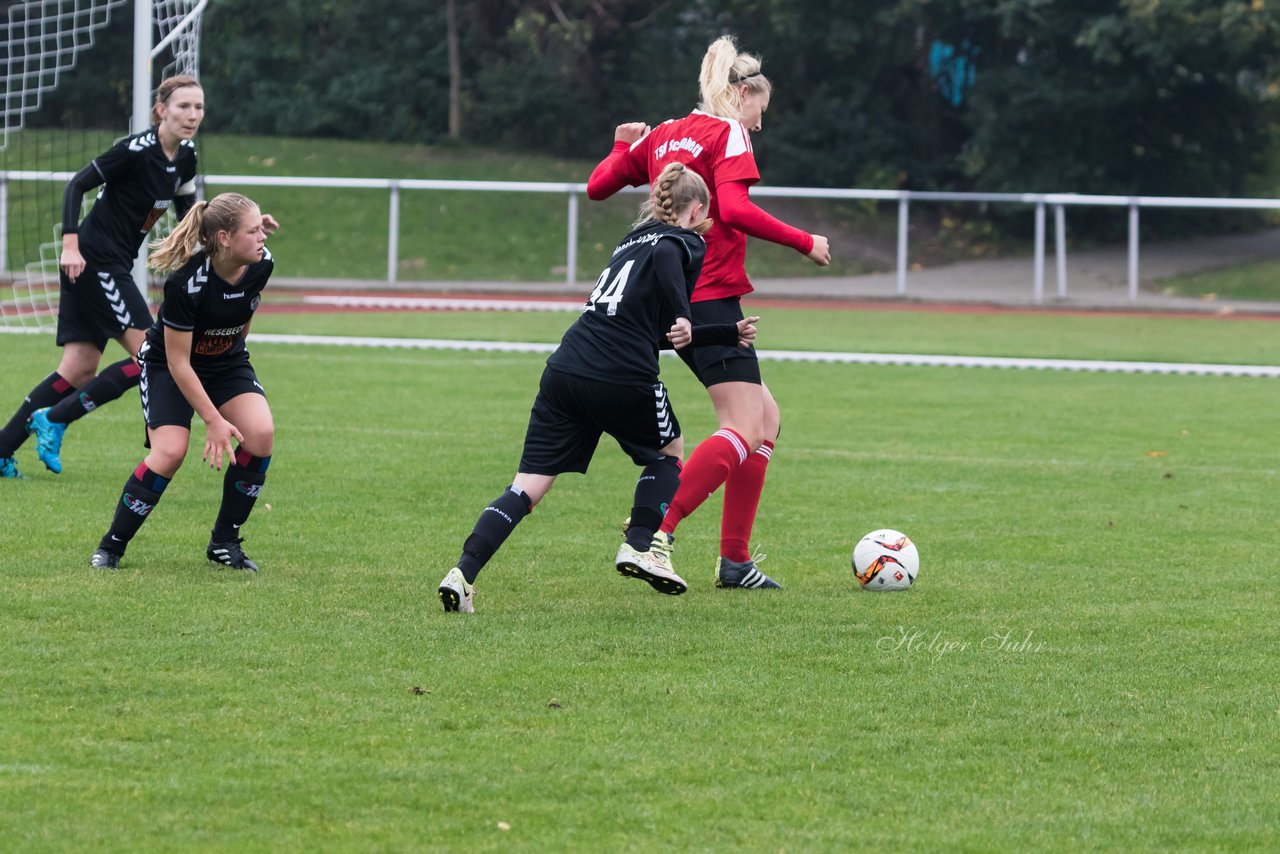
point(885, 560)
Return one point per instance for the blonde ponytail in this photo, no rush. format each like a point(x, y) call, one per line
point(199, 230)
point(674, 190)
point(181, 243)
point(723, 71)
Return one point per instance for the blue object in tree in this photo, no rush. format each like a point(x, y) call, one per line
point(952, 70)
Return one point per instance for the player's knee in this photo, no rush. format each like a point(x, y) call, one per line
point(77, 373)
point(753, 434)
point(674, 449)
point(166, 459)
point(259, 440)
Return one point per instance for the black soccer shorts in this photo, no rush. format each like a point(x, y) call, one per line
point(570, 413)
point(100, 305)
point(719, 363)
point(163, 403)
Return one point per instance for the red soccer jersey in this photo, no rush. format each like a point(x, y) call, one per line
point(719, 150)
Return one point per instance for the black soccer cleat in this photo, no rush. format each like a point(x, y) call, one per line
point(103, 559)
point(230, 555)
point(730, 574)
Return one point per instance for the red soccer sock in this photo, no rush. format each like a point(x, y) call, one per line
point(708, 466)
point(741, 499)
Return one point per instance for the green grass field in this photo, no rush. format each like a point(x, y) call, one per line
point(1247, 281)
point(1082, 665)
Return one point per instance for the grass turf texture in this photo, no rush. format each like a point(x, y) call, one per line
point(1081, 664)
point(1247, 282)
point(1236, 340)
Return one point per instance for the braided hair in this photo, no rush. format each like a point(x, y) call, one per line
point(673, 191)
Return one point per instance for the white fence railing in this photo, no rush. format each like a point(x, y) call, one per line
point(1040, 202)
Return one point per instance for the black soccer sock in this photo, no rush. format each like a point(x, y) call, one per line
point(49, 392)
point(113, 381)
point(495, 524)
point(241, 486)
point(654, 490)
point(139, 497)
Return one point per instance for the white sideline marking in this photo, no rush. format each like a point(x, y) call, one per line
point(1271, 371)
point(445, 303)
point(906, 359)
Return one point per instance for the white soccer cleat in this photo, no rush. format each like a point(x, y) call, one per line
point(653, 566)
point(455, 593)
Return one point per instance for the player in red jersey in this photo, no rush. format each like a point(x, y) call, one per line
point(715, 141)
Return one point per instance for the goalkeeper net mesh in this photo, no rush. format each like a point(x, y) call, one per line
point(67, 97)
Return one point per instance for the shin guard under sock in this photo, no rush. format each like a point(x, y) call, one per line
point(50, 391)
point(741, 500)
point(654, 490)
point(495, 524)
point(139, 497)
point(113, 381)
point(241, 486)
point(708, 466)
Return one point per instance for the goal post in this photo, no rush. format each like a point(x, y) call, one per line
point(53, 52)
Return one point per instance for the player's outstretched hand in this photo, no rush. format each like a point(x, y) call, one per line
point(681, 333)
point(747, 331)
point(217, 441)
point(821, 252)
point(269, 224)
point(630, 132)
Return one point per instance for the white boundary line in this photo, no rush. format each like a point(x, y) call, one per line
point(1181, 368)
point(906, 359)
point(446, 303)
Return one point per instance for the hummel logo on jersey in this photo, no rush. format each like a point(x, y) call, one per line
point(114, 299)
point(171, 169)
point(142, 508)
point(236, 295)
point(143, 142)
point(196, 282)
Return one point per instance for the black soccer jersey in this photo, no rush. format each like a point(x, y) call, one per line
point(139, 185)
point(215, 312)
point(636, 299)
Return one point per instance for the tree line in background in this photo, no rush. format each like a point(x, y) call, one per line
point(1167, 97)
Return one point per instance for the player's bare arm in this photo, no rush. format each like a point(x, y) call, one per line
point(218, 430)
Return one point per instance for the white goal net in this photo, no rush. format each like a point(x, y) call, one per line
point(66, 96)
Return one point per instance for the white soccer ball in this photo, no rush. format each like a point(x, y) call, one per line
point(885, 560)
